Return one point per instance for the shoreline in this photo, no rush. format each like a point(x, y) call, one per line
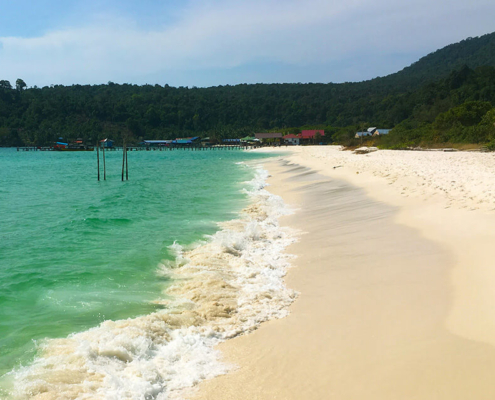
point(222, 286)
point(395, 292)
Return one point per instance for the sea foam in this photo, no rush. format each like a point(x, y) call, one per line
point(222, 287)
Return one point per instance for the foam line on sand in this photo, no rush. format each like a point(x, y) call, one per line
point(396, 282)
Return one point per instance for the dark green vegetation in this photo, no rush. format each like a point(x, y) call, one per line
point(446, 96)
point(458, 109)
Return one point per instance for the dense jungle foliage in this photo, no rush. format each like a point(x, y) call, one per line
point(447, 96)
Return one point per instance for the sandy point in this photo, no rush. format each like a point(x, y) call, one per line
point(396, 278)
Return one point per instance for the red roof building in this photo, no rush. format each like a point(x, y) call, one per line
point(310, 134)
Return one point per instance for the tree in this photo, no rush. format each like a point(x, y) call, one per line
point(317, 137)
point(196, 122)
point(20, 85)
point(152, 116)
point(5, 84)
point(134, 126)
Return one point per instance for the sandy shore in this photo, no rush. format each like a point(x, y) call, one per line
point(396, 276)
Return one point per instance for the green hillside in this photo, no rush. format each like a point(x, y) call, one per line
point(472, 52)
point(416, 95)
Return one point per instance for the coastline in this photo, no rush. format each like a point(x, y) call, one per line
point(222, 286)
point(396, 293)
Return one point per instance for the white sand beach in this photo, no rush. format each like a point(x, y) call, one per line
point(396, 276)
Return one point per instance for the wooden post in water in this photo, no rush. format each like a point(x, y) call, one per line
point(123, 160)
point(104, 164)
point(98, 159)
point(126, 165)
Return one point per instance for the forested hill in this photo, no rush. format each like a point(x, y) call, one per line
point(39, 116)
point(472, 52)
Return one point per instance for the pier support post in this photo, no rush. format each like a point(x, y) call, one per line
point(98, 158)
point(104, 164)
point(123, 160)
point(126, 165)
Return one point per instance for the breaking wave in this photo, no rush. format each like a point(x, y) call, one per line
point(222, 287)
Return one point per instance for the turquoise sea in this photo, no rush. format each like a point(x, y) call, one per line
point(75, 252)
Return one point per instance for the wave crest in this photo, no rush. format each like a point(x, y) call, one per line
point(222, 288)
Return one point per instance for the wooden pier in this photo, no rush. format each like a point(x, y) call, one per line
point(182, 148)
point(161, 148)
point(35, 148)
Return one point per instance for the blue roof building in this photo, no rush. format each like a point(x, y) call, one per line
point(186, 141)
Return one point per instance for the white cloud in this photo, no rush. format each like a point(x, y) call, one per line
point(228, 34)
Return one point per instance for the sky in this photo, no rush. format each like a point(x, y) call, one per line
point(220, 42)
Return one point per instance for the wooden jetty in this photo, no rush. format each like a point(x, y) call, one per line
point(181, 148)
point(35, 148)
point(161, 148)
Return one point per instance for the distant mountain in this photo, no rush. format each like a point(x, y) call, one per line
point(472, 52)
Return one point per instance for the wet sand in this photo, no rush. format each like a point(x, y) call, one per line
point(397, 298)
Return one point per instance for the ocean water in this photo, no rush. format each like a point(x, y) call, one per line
point(117, 289)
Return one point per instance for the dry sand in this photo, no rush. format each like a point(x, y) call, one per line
point(396, 275)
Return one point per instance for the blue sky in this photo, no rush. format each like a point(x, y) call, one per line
point(218, 42)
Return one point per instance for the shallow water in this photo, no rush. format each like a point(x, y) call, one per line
point(75, 252)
